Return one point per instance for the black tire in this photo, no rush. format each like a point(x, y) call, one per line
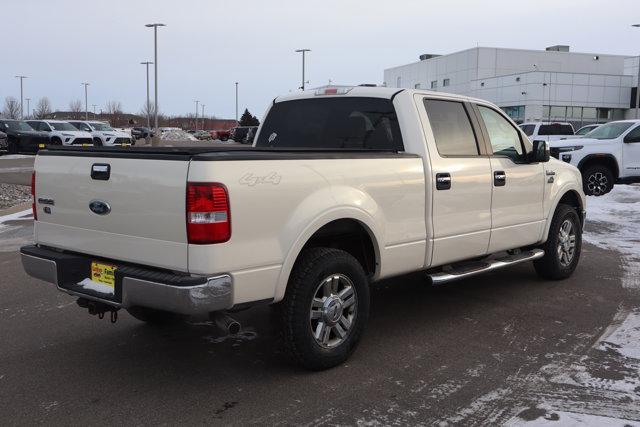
point(551, 266)
point(315, 267)
point(597, 180)
point(152, 316)
point(56, 141)
point(97, 142)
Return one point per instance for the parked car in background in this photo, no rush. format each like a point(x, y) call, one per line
point(61, 132)
point(21, 137)
point(251, 134)
point(386, 182)
point(607, 155)
point(221, 134)
point(202, 135)
point(3, 141)
point(103, 133)
point(586, 129)
point(141, 132)
point(239, 133)
point(542, 131)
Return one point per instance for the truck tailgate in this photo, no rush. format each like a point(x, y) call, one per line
point(146, 197)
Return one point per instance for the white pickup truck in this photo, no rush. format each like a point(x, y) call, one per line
point(545, 131)
point(608, 154)
point(343, 186)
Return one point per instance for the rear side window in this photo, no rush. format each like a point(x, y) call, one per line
point(347, 123)
point(555, 129)
point(451, 128)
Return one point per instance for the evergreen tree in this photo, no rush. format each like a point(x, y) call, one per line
point(247, 119)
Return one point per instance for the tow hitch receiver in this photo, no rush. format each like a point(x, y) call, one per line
point(99, 308)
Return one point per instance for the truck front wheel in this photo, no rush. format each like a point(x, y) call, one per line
point(563, 245)
point(325, 308)
point(597, 180)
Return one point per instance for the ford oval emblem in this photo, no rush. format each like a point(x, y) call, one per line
point(99, 207)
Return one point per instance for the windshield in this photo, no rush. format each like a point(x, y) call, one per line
point(610, 130)
point(62, 126)
point(17, 126)
point(102, 127)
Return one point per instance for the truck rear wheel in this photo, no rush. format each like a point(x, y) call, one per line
point(151, 316)
point(563, 246)
point(597, 180)
point(325, 308)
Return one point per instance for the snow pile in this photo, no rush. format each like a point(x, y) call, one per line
point(176, 134)
point(613, 223)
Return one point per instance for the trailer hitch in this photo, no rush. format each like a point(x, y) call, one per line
point(99, 309)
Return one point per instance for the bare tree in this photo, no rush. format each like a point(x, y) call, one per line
point(76, 108)
point(113, 107)
point(43, 108)
point(144, 111)
point(11, 108)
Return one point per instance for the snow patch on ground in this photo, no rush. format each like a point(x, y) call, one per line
point(613, 223)
point(16, 156)
point(26, 214)
point(562, 418)
point(624, 337)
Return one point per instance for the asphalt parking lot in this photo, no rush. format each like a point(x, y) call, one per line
point(504, 348)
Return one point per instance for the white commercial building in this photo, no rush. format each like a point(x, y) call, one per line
point(531, 85)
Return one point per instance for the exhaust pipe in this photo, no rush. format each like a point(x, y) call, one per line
point(225, 322)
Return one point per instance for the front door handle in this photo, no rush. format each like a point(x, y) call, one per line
point(443, 181)
point(499, 178)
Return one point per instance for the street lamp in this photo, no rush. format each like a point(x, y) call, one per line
point(28, 99)
point(303, 51)
point(86, 103)
point(21, 92)
point(202, 116)
point(236, 102)
point(147, 63)
point(94, 110)
point(637, 83)
point(196, 101)
point(155, 70)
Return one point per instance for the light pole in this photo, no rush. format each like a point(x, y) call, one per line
point(202, 116)
point(147, 63)
point(196, 101)
point(94, 110)
point(236, 102)
point(21, 94)
point(86, 101)
point(155, 78)
point(28, 99)
point(638, 83)
point(303, 51)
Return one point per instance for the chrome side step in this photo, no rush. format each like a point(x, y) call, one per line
point(463, 271)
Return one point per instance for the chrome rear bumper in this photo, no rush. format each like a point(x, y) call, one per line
point(145, 288)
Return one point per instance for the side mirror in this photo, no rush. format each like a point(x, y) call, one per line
point(540, 153)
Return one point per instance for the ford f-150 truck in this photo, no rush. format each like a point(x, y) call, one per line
point(342, 187)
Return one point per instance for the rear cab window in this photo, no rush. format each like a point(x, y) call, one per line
point(350, 123)
point(555, 129)
point(528, 129)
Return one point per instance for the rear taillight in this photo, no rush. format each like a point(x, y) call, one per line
point(208, 214)
point(33, 195)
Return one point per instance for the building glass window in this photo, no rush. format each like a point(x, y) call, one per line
point(416, 86)
point(604, 113)
point(516, 112)
point(399, 82)
point(434, 84)
point(574, 112)
point(446, 82)
point(558, 112)
point(588, 113)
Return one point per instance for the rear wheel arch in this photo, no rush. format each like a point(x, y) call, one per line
point(352, 235)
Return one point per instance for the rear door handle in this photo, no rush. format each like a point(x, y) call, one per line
point(499, 178)
point(443, 181)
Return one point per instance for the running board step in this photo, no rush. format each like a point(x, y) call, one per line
point(468, 269)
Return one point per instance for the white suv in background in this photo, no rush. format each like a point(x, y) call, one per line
point(103, 133)
point(544, 131)
point(608, 154)
point(61, 132)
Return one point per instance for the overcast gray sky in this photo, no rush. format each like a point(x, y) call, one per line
point(208, 45)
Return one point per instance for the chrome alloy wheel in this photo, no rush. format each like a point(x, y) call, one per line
point(566, 243)
point(597, 183)
point(333, 310)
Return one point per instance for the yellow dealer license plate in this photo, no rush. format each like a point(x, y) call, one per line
point(103, 273)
